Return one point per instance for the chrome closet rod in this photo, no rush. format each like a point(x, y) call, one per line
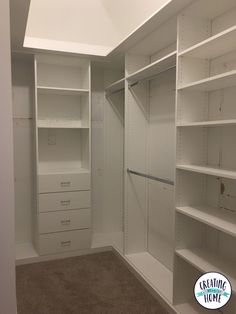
point(150, 177)
point(150, 77)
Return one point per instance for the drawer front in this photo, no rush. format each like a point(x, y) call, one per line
point(64, 201)
point(64, 241)
point(64, 220)
point(63, 182)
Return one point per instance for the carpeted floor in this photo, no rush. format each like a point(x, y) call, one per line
point(92, 284)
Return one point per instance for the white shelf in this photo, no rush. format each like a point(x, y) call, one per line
point(154, 68)
point(116, 86)
point(209, 171)
point(47, 169)
point(220, 81)
point(67, 124)
point(214, 46)
point(62, 91)
point(208, 123)
point(160, 277)
point(207, 261)
point(219, 219)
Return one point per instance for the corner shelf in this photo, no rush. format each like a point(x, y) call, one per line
point(154, 68)
point(60, 124)
point(209, 171)
point(214, 46)
point(212, 83)
point(219, 219)
point(62, 91)
point(207, 261)
point(116, 86)
point(208, 123)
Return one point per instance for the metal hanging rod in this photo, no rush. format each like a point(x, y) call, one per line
point(151, 77)
point(150, 177)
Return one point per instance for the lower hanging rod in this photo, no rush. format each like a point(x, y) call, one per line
point(150, 177)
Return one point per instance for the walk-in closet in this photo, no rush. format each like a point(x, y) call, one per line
point(118, 174)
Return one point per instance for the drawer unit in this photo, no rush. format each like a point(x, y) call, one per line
point(63, 201)
point(63, 182)
point(64, 220)
point(64, 241)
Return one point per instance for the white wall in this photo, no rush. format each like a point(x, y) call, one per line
point(7, 239)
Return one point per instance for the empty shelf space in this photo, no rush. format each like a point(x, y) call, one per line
point(208, 123)
point(116, 86)
point(216, 82)
point(209, 171)
point(44, 170)
point(154, 68)
point(207, 261)
point(214, 46)
point(61, 91)
point(160, 277)
point(67, 124)
point(220, 219)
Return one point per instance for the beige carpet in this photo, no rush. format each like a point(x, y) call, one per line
point(92, 284)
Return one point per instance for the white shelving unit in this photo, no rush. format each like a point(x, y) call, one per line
point(207, 261)
point(63, 141)
point(205, 169)
point(149, 204)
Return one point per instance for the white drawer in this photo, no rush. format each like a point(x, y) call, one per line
point(64, 241)
point(63, 182)
point(64, 220)
point(64, 201)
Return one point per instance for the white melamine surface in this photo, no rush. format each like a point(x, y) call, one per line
point(220, 219)
point(48, 202)
point(209, 170)
point(214, 46)
point(208, 123)
point(219, 81)
point(59, 182)
point(160, 278)
point(64, 241)
point(64, 220)
point(208, 261)
point(116, 86)
point(154, 68)
point(60, 124)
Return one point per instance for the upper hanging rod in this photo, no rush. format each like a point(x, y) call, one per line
point(150, 77)
point(150, 177)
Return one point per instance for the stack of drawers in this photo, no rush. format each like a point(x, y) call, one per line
point(64, 214)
